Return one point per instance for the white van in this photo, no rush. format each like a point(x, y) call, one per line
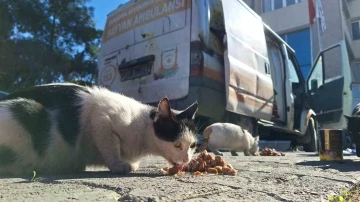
point(221, 54)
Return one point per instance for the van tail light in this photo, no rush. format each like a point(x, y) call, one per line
point(275, 111)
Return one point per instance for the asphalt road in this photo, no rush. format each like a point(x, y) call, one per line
point(294, 177)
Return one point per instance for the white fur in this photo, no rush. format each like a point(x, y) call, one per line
point(227, 136)
point(104, 111)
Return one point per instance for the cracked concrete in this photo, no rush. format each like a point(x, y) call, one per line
point(294, 177)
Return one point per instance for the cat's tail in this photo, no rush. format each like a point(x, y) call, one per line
point(205, 141)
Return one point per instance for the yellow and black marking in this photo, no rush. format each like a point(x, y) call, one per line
point(331, 145)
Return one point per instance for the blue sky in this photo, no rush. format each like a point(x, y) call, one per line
point(102, 8)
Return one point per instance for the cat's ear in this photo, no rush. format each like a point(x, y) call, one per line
point(256, 138)
point(347, 117)
point(164, 108)
point(188, 113)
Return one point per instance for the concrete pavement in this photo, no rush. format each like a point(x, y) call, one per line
point(295, 177)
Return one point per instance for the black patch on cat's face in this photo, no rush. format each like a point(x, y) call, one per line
point(7, 156)
point(170, 125)
point(35, 120)
point(58, 97)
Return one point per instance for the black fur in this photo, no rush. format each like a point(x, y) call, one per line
point(170, 127)
point(61, 98)
point(35, 119)
point(353, 124)
point(7, 155)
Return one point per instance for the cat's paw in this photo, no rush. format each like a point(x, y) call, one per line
point(134, 166)
point(121, 168)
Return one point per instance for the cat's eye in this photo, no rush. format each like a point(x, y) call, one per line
point(193, 145)
point(177, 144)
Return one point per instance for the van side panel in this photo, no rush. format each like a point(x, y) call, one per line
point(249, 87)
point(145, 50)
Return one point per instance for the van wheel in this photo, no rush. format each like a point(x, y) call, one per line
point(312, 146)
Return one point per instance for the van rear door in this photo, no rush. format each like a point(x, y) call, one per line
point(145, 50)
point(249, 87)
point(329, 87)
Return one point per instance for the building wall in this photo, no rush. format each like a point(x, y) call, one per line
point(354, 10)
point(292, 18)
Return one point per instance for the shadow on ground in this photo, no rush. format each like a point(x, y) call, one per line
point(347, 165)
point(55, 179)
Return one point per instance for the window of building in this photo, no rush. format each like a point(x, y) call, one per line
point(355, 94)
point(357, 71)
point(355, 26)
point(270, 5)
point(300, 42)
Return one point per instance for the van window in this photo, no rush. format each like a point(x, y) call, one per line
point(275, 58)
point(294, 78)
point(317, 74)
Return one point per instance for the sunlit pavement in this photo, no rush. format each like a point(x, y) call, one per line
point(297, 176)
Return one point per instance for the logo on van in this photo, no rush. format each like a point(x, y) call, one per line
point(107, 76)
point(169, 65)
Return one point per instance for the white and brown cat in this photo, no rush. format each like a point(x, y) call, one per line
point(228, 136)
point(62, 128)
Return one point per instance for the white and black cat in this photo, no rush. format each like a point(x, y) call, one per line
point(62, 128)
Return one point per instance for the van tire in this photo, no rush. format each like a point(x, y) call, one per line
point(311, 132)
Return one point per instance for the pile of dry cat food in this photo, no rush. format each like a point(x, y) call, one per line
point(269, 152)
point(203, 164)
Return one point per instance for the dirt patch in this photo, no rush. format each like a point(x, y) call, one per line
point(356, 195)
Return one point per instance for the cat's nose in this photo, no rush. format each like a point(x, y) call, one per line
point(186, 160)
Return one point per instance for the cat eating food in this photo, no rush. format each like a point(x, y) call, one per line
point(62, 128)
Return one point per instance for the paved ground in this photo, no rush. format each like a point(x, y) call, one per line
point(294, 177)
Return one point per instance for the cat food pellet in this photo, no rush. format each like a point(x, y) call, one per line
point(230, 166)
point(202, 166)
point(225, 170)
point(230, 172)
point(270, 152)
point(219, 168)
point(174, 170)
point(218, 158)
point(220, 163)
point(213, 163)
point(197, 173)
point(212, 170)
point(208, 157)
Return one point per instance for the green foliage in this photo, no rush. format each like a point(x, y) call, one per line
point(34, 176)
point(343, 196)
point(43, 41)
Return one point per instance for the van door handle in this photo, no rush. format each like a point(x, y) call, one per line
point(267, 71)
